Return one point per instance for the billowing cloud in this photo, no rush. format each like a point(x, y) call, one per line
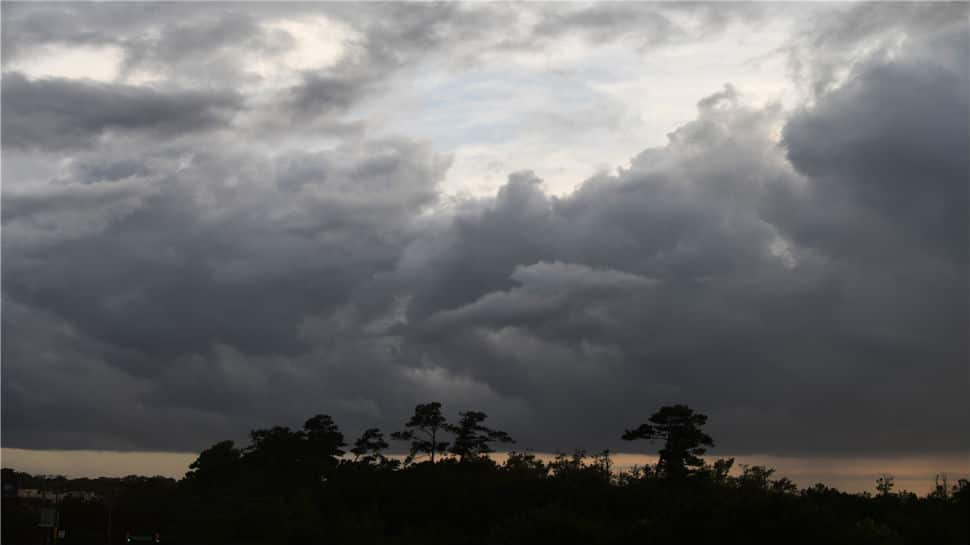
point(202, 247)
point(213, 250)
point(52, 114)
point(746, 313)
point(893, 142)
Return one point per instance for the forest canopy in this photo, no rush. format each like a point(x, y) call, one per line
point(305, 486)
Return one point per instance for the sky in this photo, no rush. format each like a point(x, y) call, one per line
point(218, 217)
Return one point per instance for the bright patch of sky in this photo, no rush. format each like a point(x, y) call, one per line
point(99, 63)
point(317, 44)
point(567, 111)
point(580, 109)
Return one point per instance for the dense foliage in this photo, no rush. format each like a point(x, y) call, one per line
point(298, 486)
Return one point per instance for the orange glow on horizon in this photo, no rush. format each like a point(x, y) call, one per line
point(850, 474)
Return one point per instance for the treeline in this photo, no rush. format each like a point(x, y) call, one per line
point(310, 486)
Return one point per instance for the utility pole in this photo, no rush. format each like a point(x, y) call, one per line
point(109, 502)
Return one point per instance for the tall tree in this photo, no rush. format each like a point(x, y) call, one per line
point(423, 429)
point(368, 447)
point(680, 429)
point(323, 441)
point(216, 467)
point(472, 438)
point(276, 459)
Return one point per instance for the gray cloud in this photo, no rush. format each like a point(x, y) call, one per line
point(914, 174)
point(808, 293)
point(832, 41)
point(818, 295)
point(159, 37)
point(208, 48)
point(321, 95)
point(645, 24)
point(313, 222)
point(54, 114)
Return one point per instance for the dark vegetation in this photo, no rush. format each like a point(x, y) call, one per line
point(299, 486)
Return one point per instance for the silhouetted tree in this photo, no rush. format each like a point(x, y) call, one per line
point(884, 484)
point(961, 491)
point(603, 465)
point(758, 477)
point(270, 493)
point(720, 470)
point(276, 458)
point(784, 485)
point(216, 467)
point(680, 429)
point(635, 474)
point(942, 489)
point(565, 465)
point(275, 442)
point(422, 432)
point(526, 464)
point(472, 438)
point(322, 444)
point(368, 447)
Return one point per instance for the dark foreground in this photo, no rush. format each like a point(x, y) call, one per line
point(294, 487)
point(483, 503)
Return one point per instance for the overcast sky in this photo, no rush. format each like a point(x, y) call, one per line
point(218, 217)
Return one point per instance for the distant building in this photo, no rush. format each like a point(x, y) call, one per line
point(33, 494)
point(86, 495)
point(50, 495)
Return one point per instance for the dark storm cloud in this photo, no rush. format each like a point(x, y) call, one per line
point(202, 282)
point(915, 174)
point(60, 392)
point(185, 261)
point(718, 300)
point(808, 294)
point(649, 220)
point(30, 24)
point(57, 113)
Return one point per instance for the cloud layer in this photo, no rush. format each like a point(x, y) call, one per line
point(202, 246)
